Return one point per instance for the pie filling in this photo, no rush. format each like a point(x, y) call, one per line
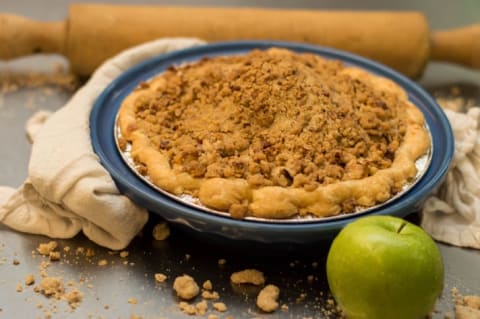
point(274, 134)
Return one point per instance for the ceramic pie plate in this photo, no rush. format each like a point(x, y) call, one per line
point(186, 211)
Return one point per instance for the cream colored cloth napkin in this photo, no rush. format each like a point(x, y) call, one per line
point(67, 189)
point(452, 214)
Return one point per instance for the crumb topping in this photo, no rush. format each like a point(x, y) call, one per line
point(279, 119)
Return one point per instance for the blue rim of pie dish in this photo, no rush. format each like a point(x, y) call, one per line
point(102, 121)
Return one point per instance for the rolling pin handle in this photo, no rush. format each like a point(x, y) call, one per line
point(20, 36)
point(461, 45)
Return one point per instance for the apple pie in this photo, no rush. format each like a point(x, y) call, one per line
point(274, 134)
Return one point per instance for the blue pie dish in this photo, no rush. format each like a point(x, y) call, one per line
point(102, 123)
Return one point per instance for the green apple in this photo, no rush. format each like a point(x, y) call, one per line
point(383, 267)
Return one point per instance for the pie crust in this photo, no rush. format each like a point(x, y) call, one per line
point(274, 134)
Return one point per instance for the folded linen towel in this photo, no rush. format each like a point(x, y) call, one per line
point(452, 214)
point(67, 189)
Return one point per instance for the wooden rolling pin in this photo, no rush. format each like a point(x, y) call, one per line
point(95, 32)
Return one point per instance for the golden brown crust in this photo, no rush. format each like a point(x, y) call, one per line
point(196, 134)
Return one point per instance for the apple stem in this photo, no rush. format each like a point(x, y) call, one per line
point(401, 227)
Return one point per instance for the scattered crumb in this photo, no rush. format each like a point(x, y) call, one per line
point(12, 81)
point(210, 295)
point(207, 285)
point(472, 301)
point(160, 277)
point(186, 287)
point(284, 307)
point(66, 249)
point(201, 307)
point(52, 287)
point(161, 231)
point(466, 307)
point(102, 262)
point(132, 301)
point(73, 297)
point(448, 315)
point(54, 256)
point(46, 248)
point(135, 317)
point(464, 312)
point(248, 276)
point(124, 254)
point(29, 280)
point(44, 265)
point(187, 308)
point(187, 257)
point(310, 278)
point(43, 273)
point(302, 297)
point(89, 252)
point(19, 288)
point(220, 306)
point(267, 298)
point(16, 262)
point(222, 262)
point(212, 317)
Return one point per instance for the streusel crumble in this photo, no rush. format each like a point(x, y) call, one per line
point(274, 134)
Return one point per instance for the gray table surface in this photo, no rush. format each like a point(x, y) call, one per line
point(107, 289)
